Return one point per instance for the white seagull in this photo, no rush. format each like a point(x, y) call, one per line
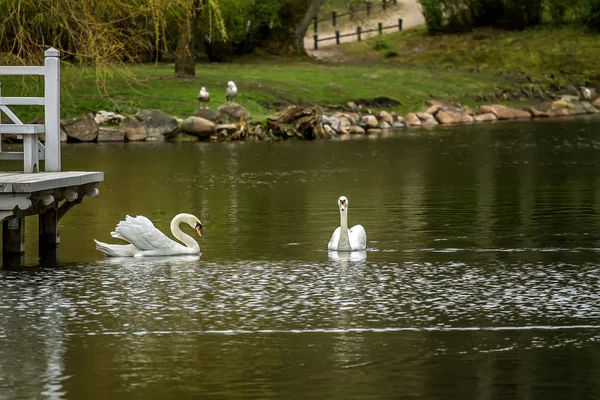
point(203, 96)
point(231, 91)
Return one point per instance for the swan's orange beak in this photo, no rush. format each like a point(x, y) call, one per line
point(199, 229)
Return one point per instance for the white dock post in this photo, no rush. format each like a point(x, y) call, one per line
point(52, 109)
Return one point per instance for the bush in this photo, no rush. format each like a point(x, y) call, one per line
point(434, 17)
point(593, 20)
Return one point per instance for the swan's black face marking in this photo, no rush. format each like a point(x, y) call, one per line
point(343, 203)
point(199, 229)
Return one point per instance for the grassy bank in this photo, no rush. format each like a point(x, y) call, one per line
point(265, 86)
point(559, 55)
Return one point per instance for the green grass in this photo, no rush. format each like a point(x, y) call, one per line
point(560, 54)
point(265, 86)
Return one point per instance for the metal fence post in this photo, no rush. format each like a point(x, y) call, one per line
point(51, 109)
point(399, 24)
point(358, 29)
point(380, 28)
point(316, 39)
point(337, 37)
point(333, 17)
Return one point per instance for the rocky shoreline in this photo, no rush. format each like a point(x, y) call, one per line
point(232, 121)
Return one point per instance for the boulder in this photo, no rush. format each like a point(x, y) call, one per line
point(158, 124)
point(558, 104)
point(230, 128)
point(427, 118)
point(453, 117)
point(329, 130)
point(335, 123)
point(504, 113)
point(386, 117)
point(384, 125)
point(589, 108)
point(535, 113)
point(412, 120)
point(81, 129)
point(344, 126)
point(111, 135)
point(134, 130)
point(399, 124)
point(443, 104)
point(233, 112)
point(352, 106)
point(487, 117)
point(433, 109)
point(108, 117)
point(370, 121)
point(356, 130)
point(200, 127)
point(207, 113)
point(183, 138)
point(561, 112)
point(596, 103)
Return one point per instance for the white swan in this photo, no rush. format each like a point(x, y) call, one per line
point(344, 239)
point(147, 241)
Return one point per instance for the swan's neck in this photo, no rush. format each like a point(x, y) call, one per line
point(180, 235)
point(344, 243)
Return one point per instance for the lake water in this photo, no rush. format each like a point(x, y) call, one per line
point(481, 279)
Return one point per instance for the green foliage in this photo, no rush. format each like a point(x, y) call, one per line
point(380, 44)
point(434, 15)
point(593, 21)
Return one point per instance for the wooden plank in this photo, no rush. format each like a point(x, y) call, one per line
point(52, 109)
point(49, 230)
point(22, 101)
point(13, 235)
point(28, 183)
point(25, 129)
point(21, 70)
point(31, 161)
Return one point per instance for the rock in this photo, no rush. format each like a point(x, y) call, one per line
point(427, 118)
point(453, 117)
point(226, 127)
point(344, 126)
point(596, 103)
point(220, 136)
point(384, 125)
point(504, 113)
point(535, 113)
point(183, 138)
point(374, 131)
point(335, 123)
point(441, 103)
point(398, 124)
point(352, 106)
point(81, 129)
point(386, 117)
point(572, 90)
point(329, 130)
point(370, 121)
point(412, 120)
point(561, 112)
point(108, 117)
point(325, 120)
point(558, 104)
point(111, 135)
point(587, 93)
point(197, 126)
point(487, 117)
point(356, 130)
point(158, 124)
point(433, 109)
point(400, 118)
point(63, 135)
point(233, 112)
point(207, 113)
point(134, 130)
point(589, 108)
point(569, 98)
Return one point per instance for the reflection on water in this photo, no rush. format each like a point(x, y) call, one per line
point(480, 279)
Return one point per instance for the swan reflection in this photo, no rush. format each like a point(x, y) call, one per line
point(150, 261)
point(343, 257)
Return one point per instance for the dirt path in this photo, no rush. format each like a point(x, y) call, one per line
point(408, 10)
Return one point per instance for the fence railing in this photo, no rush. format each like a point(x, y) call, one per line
point(368, 6)
point(359, 32)
point(33, 149)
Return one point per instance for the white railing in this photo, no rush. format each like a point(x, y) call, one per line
point(33, 149)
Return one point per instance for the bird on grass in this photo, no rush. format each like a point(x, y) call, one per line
point(231, 91)
point(203, 96)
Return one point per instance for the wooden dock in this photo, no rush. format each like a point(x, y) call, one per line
point(50, 194)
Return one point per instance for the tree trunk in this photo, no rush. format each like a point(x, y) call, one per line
point(305, 23)
point(185, 65)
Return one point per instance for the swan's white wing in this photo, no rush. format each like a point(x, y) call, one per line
point(335, 239)
point(358, 238)
point(142, 233)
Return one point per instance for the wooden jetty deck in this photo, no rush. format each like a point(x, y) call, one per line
point(49, 194)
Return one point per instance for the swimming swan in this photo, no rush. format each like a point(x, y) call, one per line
point(147, 241)
point(344, 239)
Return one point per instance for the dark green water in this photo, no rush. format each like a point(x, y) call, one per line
point(481, 280)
